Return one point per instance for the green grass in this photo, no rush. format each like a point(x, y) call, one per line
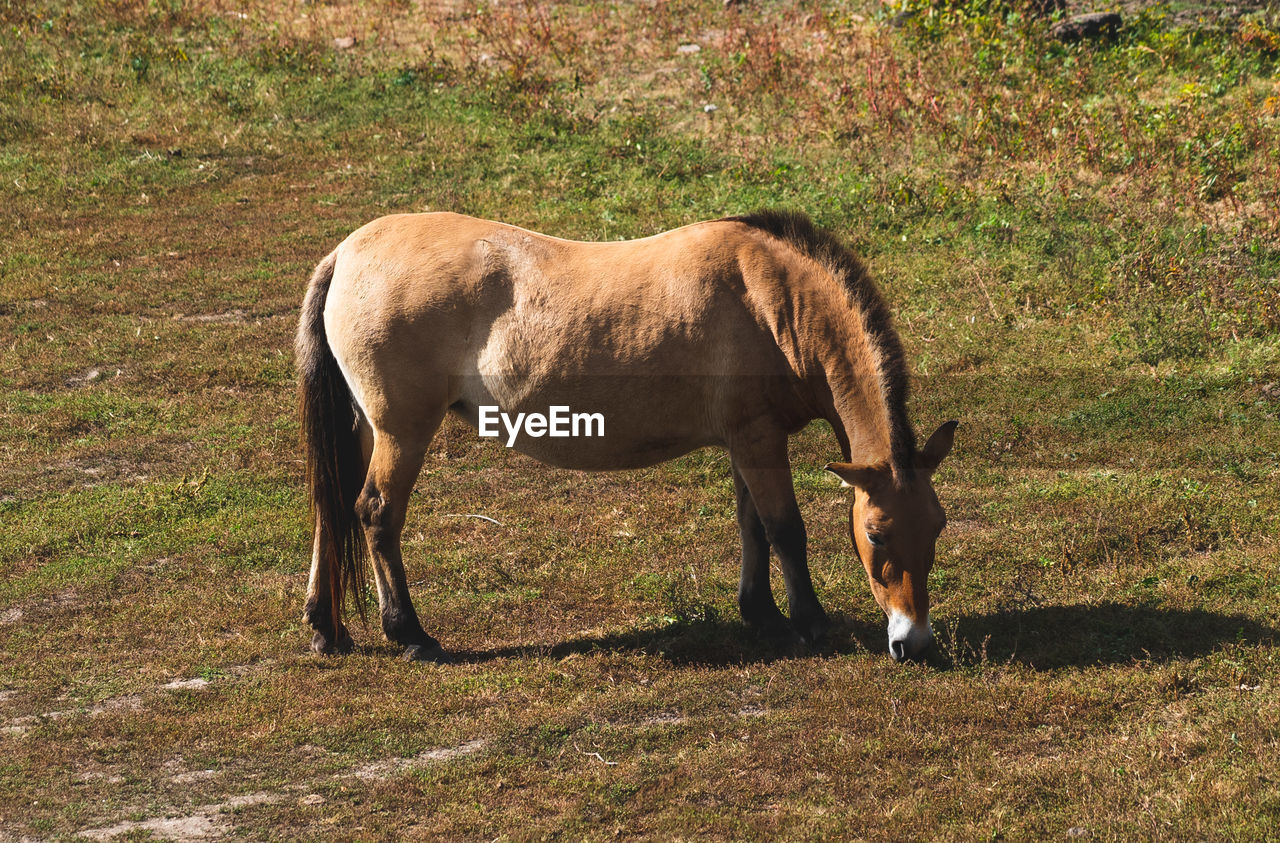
point(1077, 240)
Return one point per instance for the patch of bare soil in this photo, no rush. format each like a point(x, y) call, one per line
point(233, 316)
point(666, 718)
point(203, 823)
point(93, 375)
point(128, 702)
point(210, 821)
point(383, 769)
point(21, 725)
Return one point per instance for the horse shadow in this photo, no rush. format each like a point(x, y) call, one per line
point(1051, 637)
point(1041, 638)
point(709, 642)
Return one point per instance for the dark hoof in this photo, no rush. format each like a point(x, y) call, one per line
point(418, 653)
point(412, 637)
point(405, 629)
point(812, 627)
point(339, 643)
point(772, 625)
point(763, 615)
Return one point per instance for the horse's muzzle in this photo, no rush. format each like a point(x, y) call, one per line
point(907, 638)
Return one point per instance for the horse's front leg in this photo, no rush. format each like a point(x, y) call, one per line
point(764, 467)
point(755, 597)
point(382, 507)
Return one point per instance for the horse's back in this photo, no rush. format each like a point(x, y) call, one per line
point(609, 305)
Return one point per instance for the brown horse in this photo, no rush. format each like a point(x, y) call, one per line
point(736, 332)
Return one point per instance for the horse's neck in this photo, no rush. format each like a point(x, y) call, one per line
point(856, 405)
point(820, 331)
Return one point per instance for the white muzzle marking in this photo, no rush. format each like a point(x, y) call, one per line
point(906, 639)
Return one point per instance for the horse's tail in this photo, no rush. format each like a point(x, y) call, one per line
point(331, 445)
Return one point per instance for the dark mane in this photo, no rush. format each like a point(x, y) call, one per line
point(827, 249)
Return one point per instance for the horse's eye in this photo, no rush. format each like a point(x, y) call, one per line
point(876, 539)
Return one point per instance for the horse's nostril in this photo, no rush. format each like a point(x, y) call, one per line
point(898, 649)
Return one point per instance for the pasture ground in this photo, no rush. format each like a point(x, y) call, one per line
point(1079, 242)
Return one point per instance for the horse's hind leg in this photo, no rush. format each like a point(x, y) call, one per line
point(381, 507)
point(755, 597)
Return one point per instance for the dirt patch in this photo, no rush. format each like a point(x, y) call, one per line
point(236, 316)
point(92, 376)
point(210, 821)
point(452, 752)
point(194, 827)
point(185, 684)
point(204, 823)
point(22, 725)
point(962, 526)
point(99, 776)
point(233, 316)
point(128, 702)
point(385, 769)
point(66, 600)
point(176, 772)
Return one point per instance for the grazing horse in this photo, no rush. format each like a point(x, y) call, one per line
point(736, 332)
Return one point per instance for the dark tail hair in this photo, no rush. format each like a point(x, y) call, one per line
point(331, 447)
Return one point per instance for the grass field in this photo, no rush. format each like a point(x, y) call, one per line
point(1080, 243)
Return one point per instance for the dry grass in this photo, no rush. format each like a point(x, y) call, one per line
point(1079, 242)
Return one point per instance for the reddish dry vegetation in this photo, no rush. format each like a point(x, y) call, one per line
point(1079, 246)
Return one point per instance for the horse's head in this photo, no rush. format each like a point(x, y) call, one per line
point(894, 523)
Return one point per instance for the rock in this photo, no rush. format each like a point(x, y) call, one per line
point(346, 42)
point(1080, 27)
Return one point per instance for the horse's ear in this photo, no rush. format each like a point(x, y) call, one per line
point(937, 448)
point(864, 477)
